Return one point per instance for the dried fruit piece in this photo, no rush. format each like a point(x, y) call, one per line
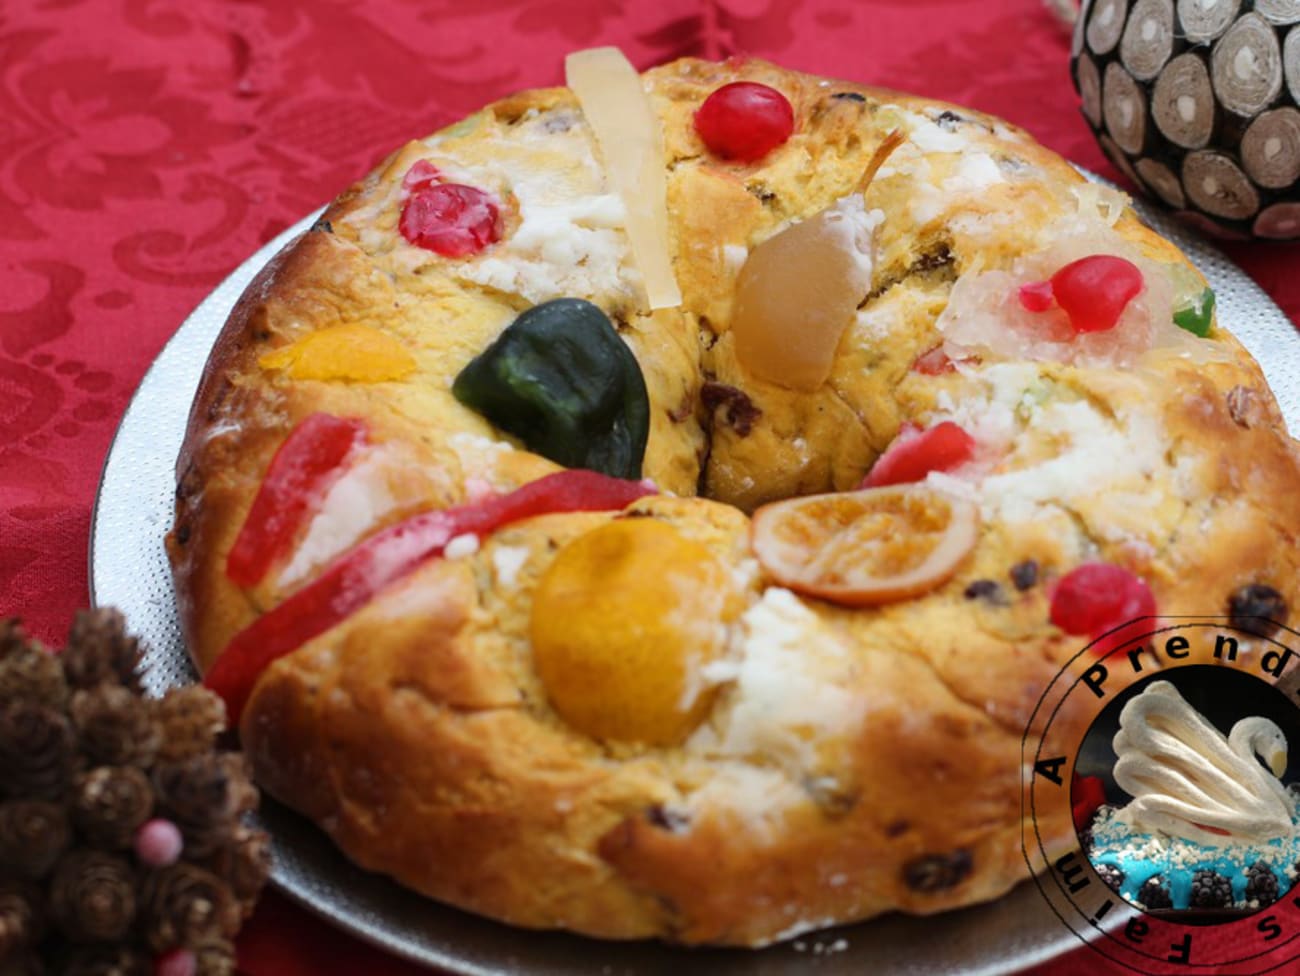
point(744, 121)
point(450, 219)
point(303, 467)
point(562, 380)
point(865, 547)
point(1257, 609)
point(355, 353)
point(799, 290)
point(627, 130)
point(354, 578)
point(1198, 316)
point(1096, 597)
point(623, 622)
point(1093, 291)
point(914, 453)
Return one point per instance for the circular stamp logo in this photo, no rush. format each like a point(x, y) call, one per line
point(1162, 806)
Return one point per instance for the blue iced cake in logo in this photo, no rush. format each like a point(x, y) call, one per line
point(1210, 825)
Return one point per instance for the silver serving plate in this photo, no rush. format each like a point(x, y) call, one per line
point(128, 569)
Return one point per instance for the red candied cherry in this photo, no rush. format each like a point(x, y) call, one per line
point(1092, 291)
point(744, 121)
point(1096, 597)
point(450, 219)
point(915, 453)
point(422, 175)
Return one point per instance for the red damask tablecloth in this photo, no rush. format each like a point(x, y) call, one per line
point(147, 147)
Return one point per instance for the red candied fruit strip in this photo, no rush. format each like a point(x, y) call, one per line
point(744, 121)
point(1092, 291)
point(304, 466)
point(914, 454)
point(1095, 598)
point(358, 575)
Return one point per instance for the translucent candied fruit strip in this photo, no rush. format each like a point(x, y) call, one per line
point(358, 353)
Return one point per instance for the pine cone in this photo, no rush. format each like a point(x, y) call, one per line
point(92, 896)
point(243, 794)
point(37, 750)
point(28, 964)
point(100, 651)
point(245, 863)
point(110, 803)
point(20, 918)
point(104, 960)
point(190, 718)
point(33, 836)
point(214, 957)
point(13, 637)
point(30, 673)
point(201, 796)
point(117, 727)
point(186, 906)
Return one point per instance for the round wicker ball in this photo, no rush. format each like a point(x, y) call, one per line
point(1196, 102)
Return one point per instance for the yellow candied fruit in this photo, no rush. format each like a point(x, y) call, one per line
point(358, 353)
point(623, 622)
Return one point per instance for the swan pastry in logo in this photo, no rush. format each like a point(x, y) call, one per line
point(1162, 809)
point(1190, 781)
point(1209, 827)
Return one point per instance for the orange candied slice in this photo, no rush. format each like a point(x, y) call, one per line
point(343, 352)
point(861, 548)
point(623, 623)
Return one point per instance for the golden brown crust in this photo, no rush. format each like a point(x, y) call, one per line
point(417, 733)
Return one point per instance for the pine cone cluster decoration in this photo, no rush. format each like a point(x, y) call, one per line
point(123, 843)
point(1198, 103)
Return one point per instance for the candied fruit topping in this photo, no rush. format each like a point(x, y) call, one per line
point(915, 453)
point(356, 577)
point(1092, 291)
point(303, 467)
point(1096, 597)
point(744, 121)
point(1257, 609)
point(623, 622)
point(357, 353)
point(866, 547)
point(450, 219)
point(936, 362)
point(1037, 296)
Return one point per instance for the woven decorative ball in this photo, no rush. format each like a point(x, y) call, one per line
point(1196, 102)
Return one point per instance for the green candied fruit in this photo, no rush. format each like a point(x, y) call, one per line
point(1196, 318)
point(561, 380)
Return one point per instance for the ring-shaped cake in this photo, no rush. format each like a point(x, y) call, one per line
point(653, 507)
